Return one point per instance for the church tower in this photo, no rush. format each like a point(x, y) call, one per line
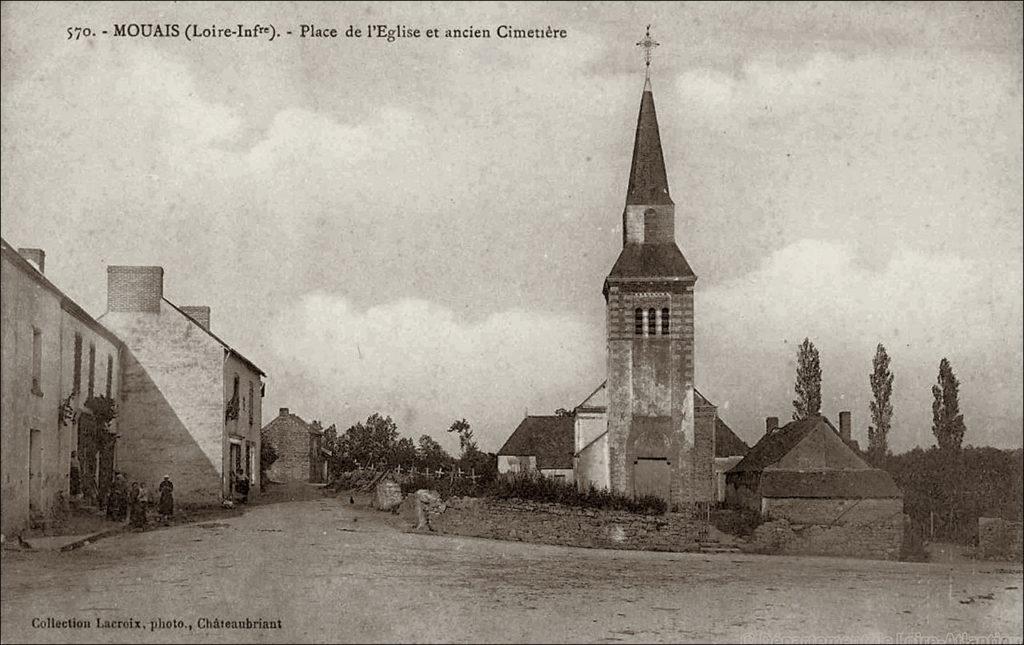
point(653, 448)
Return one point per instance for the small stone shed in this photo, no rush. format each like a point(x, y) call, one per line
point(805, 472)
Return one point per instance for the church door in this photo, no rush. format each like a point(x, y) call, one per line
point(651, 477)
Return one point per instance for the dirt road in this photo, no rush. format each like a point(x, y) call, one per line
point(332, 572)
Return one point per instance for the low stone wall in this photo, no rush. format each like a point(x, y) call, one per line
point(881, 539)
point(999, 539)
point(556, 524)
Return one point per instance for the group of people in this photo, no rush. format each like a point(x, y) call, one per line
point(132, 502)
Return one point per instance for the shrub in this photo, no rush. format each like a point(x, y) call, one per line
point(912, 549)
point(548, 489)
point(736, 521)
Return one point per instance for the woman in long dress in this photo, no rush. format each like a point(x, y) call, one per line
point(137, 506)
point(166, 505)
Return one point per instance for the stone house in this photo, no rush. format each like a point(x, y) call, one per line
point(300, 449)
point(806, 473)
point(191, 404)
point(55, 359)
point(541, 444)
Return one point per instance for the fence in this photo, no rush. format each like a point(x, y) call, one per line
point(413, 471)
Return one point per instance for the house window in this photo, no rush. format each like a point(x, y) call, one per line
point(37, 361)
point(652, 322)
point(250, 402)
point(639, 322)
point(76, 385)
point(110, 374)
point(664, 321)
point(92, 369)
point(232, 407)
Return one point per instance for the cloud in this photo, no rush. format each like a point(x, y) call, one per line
point(922, 307)
point(426, 365)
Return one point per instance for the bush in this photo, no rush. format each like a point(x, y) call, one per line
point(912, 549)
point(548, 489)
point(736, 521)
point(520, 486)
point(444, 486)
point(953, 489)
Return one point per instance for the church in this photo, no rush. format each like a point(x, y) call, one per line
point(645, 431)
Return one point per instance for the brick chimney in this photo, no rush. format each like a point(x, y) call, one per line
point(198, 313)
point(844, 426)
point(36, 256)
point(135, 288)
point(771, 424)
point(283, 412)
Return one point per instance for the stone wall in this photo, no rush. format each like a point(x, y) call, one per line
point(36, 446)
point(171, 417)
point(999, 539)
point(592, 465)
point(872, 530)
point(556, 524)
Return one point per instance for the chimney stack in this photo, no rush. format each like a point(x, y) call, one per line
point(198, 313)
point(844, 426)
point(283, 412)
point(36, 256)
point(135, 288)
point(771, 424)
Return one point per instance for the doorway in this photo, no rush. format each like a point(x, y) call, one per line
point(652, 478)
point(250, 462)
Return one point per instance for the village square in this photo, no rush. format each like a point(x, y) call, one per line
point(703, 463)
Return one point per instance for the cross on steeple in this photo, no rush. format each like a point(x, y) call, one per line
point(648, 44)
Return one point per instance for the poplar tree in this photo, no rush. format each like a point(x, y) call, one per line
point(881, 406)
point(808, 382)
point(947, 422)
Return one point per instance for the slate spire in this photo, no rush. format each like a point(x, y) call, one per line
point(648, 183)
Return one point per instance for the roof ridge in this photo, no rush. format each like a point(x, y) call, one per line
point(67, 303)
point(217, 338)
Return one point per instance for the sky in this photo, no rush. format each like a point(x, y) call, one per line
point(422, 228)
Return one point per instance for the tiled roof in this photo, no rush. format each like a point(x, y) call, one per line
point(773, 447)
point(66, 303)
point(651, 261)
point(549, 438)
point(727, 444)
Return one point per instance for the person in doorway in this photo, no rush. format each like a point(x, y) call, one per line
point(242, 486)
point(75, 475)
point(166, 504)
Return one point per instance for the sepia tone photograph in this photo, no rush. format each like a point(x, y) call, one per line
point(512, 322)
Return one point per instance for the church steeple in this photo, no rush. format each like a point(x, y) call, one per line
point(648, 182)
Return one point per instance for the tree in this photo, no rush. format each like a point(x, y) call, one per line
point(430, 455)
point(808, 382)
point(268, 455)
point(947, 422)
point(461, 428)
point(371, 443)
point(881, 406)
point(404, 454)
